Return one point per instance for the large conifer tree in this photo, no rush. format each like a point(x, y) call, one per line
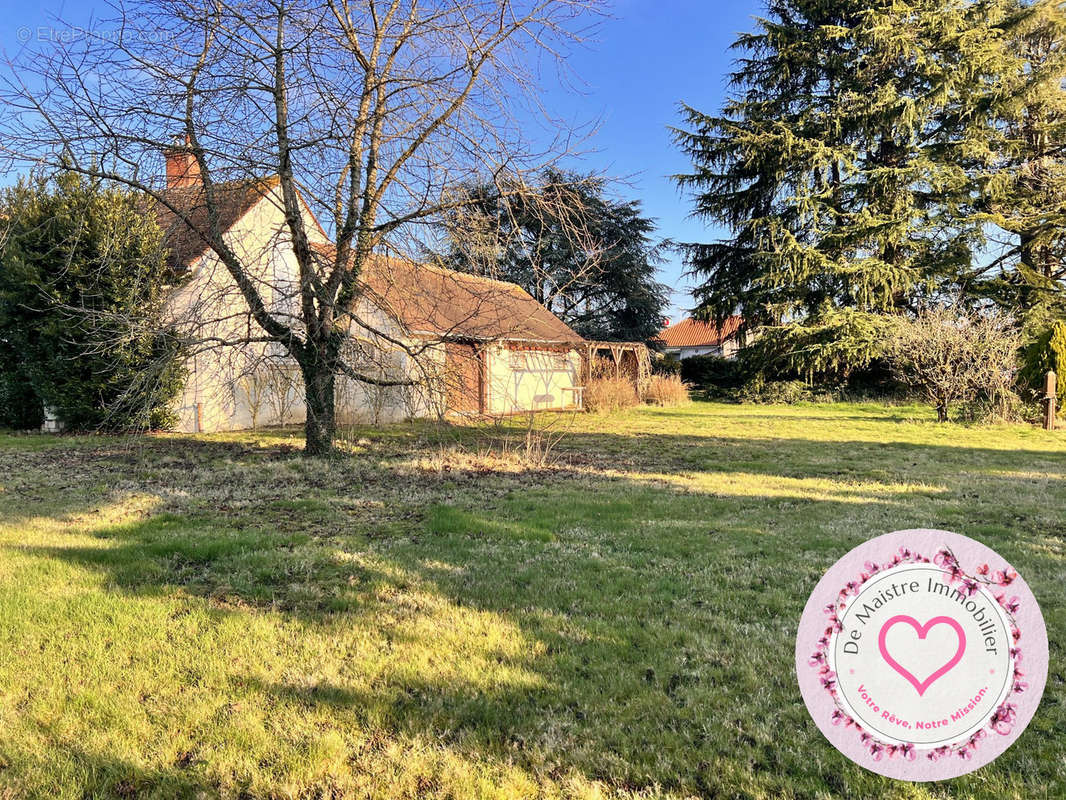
point(1024, 183)
point(588, 257)
point(842, 167)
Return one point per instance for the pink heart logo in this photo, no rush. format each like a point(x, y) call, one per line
point(922, 630)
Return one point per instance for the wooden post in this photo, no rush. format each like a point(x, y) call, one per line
point(1050, 398)
point(199, 418)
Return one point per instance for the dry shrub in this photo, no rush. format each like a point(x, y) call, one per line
point(480, 459)
point(607, 395)
point(503, 447)
point(602, 367)
point(666, 390)
point(607, 392)
point(956, 356)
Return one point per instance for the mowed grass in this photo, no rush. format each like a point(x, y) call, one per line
point(425, 617)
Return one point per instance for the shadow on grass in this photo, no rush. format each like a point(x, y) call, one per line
point(656, 622)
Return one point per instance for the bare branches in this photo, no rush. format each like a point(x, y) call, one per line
point(954, 356)
point(368, 112)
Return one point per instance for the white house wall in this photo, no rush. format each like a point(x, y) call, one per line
point(530, 380)
point(255, 383)
point(402, 359)
point(223, 388)
point(728, 349)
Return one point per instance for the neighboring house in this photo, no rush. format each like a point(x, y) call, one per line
point(468, 345)
point(690, 337)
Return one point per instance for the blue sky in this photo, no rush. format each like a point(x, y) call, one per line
point(644, 61)
point(648, 59)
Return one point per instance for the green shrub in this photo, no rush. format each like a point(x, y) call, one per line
point(667, 365)
point(1046, 352)
point(714, 372)
point(83, 285)
point(829, 349)
point(20, 407)
point(785, 392)
point(843, 354)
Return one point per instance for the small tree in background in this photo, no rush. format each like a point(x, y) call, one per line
point(82, 286)
point(255, 383)
point(590, 259)
point(283, 389)
point(955, 356)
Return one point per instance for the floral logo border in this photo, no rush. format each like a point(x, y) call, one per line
point(1002, 719)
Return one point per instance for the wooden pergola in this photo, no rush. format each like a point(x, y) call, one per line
point(631, 359)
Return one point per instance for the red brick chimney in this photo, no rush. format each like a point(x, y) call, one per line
point(183, 170)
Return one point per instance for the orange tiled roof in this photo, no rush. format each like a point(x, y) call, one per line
point(693, 333)
point(424, 299)
point(442, 302)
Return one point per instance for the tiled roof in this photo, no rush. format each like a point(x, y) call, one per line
point(432, 300)
point(187, 234)
point(693, 333)
point(424, 299)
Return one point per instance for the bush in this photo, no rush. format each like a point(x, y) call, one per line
point(714, 372)
point(840, 355)
point(607, 395)
point(666, 390)
point(20, 407)
point(954, 356)
point(82, 305)
point(788, 392)
point(828, 349)
point(667, 365)
point(1007, 406)
point(1045, 353)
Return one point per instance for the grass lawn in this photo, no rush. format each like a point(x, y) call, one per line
point(218, 616)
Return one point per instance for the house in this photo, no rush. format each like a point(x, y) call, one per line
point(690, 337)
point(464, 344)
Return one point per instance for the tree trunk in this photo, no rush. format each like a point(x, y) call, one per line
point(942, 412)
point(321, 425)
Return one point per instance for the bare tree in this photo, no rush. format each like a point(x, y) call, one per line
point(282, 384)
point(256, 383)
point(366, 111)
point(955, 356)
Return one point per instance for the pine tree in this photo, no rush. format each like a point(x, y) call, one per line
point(839, 166)
point(587, 257)
point(1023, 185)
